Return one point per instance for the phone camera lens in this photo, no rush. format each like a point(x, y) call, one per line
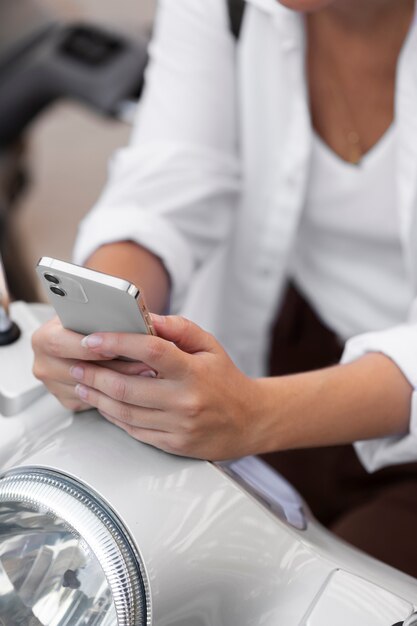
point(52, 279)
point(57, 291)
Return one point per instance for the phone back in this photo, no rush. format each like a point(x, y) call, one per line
point(87, 301)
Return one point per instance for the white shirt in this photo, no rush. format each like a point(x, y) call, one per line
point(348, 258)
point(215, 177)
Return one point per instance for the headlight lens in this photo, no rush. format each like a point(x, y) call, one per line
point(65, 559)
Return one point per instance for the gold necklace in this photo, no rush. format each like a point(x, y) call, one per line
point(331, 84)
point(354, 147)
point(351, 135)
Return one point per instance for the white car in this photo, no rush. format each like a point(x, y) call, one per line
point(99, 529)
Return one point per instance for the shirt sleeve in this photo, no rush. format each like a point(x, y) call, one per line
point(400, 345)
point(174, 188)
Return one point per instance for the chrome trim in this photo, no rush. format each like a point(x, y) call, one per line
point(5, 321)
point(94, 521)
point(269, 488)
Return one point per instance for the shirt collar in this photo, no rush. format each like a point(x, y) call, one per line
point(275, 8)
point(289, 23)
point(271, 6)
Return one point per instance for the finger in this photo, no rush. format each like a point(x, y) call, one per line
point(58, 342)
point(66, 395)
point(51, 369)
point(160, 439)
point(184, 333)
point(54, 369)
point(160, 355)
point(128, 414)
point(155, 438)
point(134, 390)
point(130, 368)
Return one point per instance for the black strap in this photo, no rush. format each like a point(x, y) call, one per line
point(236, 10)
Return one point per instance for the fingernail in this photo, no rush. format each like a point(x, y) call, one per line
point(77, 372)
point(81, 391)
point(148, 374)
point(91, 341)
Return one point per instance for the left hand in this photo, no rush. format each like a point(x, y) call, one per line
point(200, 405)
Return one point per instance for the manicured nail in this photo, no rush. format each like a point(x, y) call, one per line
point(91, 341)
point(148, 374)
point(81, 391)
point(77, 372)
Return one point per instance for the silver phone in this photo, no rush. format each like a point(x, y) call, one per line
point(88, 301)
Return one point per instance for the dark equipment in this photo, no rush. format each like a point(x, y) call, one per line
point(42, 60)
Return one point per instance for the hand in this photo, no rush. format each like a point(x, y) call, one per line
point(56, 350)
point(198, 406)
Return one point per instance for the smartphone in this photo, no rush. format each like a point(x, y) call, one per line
point(87, 301)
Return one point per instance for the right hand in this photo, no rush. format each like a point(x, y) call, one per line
point(56, 350)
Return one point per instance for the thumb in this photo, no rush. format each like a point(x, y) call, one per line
point(186, 335)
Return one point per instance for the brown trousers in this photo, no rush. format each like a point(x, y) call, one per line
point(375, 512)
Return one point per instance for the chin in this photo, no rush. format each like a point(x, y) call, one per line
point(306, 5)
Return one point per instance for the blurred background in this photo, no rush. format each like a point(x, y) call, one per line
point(68, 147)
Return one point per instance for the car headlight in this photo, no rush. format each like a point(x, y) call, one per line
point(65, 558)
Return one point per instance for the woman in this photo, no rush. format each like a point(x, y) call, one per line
point(288, 158)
